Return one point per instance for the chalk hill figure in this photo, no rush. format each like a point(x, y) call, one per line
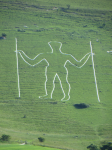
point(56, 62)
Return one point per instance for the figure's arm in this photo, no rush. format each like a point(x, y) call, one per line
point(79, 63)
point(27, 59)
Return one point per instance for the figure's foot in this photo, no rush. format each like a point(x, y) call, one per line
point(45, 97)
point(66, 98)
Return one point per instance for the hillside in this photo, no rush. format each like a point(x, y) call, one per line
point(74, 24)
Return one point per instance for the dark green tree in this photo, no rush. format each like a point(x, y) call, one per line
point(5, 137)
point(41, 139)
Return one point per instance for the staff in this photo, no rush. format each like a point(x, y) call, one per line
point(17, 67)
point(94, 73)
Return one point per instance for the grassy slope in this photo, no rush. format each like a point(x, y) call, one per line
point(60, 123)
point(24, 147)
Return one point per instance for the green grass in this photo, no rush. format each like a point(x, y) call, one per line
point(24, 147)
point(61, 124)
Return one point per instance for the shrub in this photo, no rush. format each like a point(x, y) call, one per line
point(21, 30)
point(107, 146)
point(41, 139)
point(92, 147)
point(4, 35)
point(5, 137)
point(24, 116)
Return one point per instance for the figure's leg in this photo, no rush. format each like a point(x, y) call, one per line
point(65, 86)
point(48, 86)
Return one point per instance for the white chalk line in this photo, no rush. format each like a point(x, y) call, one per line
point(22, 144)
point(17, 68)
point(94, 73)
point(56, 75)
point(70, 55)
point(66, 70)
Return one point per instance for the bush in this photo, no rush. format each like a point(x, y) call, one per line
point(24, 116)
point(92, 147)
point(21, 30)
point(41, 139)
point(107, 146)
point(4, 35)
point(5, 137)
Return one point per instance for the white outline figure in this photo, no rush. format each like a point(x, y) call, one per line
point(56, 74)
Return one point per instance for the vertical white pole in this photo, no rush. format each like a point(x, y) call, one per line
point(94, 73)
point(17, 68)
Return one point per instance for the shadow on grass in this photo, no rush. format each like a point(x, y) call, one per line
point(81, 106)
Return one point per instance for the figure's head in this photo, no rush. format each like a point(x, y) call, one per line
point(55, 46)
